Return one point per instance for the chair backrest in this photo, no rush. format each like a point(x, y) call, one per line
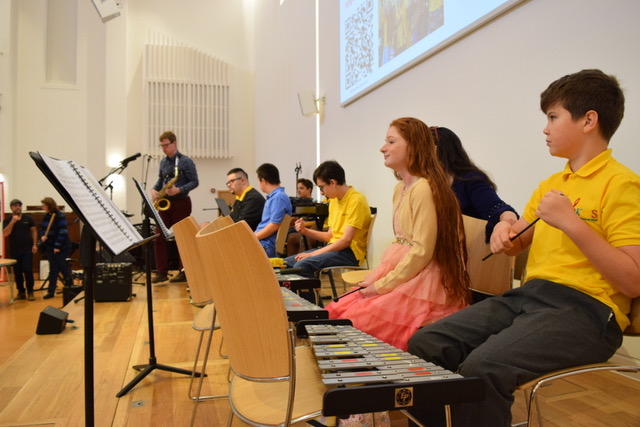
point(520, 267)
point(248, 300)
point(493, 276)
point(217, 224)
point(634, 316)
point(283, 232)
point(367, 261)
point(185, 233)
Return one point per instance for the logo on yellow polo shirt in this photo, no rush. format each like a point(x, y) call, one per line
point(594, 212)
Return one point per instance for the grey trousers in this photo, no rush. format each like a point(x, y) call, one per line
point(511, 339)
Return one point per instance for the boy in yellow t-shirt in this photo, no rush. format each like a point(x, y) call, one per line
point(583, 266)
point(348, 221)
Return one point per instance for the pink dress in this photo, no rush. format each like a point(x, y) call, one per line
point(396, 315)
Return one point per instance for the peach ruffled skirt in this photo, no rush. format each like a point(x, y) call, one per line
point(395, 316)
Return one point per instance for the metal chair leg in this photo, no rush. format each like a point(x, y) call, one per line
point(333, 284)
point(197, 398)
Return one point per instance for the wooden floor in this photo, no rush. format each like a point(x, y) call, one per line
point(42, 376)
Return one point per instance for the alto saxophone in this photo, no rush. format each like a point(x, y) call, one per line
point(162, 204)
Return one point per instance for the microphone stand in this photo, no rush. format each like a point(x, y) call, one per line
point(297, 170)
point(118, 170)
point(145, 174)
point(110, 188)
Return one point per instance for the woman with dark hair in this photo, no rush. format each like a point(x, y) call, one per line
point(54, 235)
point(476, 192)
point(422, 276)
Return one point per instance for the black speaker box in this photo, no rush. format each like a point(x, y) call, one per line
point(113, 282)
point(52, 321)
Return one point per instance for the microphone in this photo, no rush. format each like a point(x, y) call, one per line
point(126, 161)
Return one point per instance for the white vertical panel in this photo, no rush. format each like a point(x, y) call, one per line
point(187, 91)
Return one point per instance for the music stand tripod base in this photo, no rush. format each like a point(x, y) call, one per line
point(148, 368)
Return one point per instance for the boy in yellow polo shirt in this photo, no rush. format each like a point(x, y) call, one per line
point(348, 221)
point(583, 266)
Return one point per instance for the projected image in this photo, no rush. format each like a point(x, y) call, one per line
point(360, 44)
point(381, 38)
point(403, 23)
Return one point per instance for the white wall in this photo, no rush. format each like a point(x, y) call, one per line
point(100, 116)
point(7, 91)
point(285, 65)
point(219, 28)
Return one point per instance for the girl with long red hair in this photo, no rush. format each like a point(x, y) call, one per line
point(422, 276)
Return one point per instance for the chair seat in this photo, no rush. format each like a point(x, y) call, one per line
point(265, 402)
point(363, 264)
point(604, 366)
point(355, 276)
point(203, 320)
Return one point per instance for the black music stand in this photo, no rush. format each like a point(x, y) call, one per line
point(103, 222)
point(153, 363)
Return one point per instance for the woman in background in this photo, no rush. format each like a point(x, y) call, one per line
point(476, 192)
point(54, 236)
point(422, 276)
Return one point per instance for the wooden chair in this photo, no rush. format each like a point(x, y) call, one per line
point(520, 268)
point(274, 382)
point(7, 264)
point(281, 237)
point(205, 320)
point(361, 271)
point(493, 276)
point(227, 196)
point(531, 388)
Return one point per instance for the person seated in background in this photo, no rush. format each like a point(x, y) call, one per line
point(422, 275)
point(276, 206)
point(304, 190)
point(476, 192)
point(348, 221)
point(249, 202)
point(582, 271)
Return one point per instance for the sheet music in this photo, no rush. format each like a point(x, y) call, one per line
point(111, 226)
point(167, 233)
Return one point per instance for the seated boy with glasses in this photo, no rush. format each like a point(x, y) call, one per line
point(348, 221)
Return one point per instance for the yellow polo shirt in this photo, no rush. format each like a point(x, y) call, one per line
point(244, 193)
point(353, 209)
point(606, 196)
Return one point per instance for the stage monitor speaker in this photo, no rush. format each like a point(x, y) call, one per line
point(52, 321)
point(107, 9)
point(113, 282)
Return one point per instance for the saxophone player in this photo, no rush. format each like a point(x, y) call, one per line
point(176, 178)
